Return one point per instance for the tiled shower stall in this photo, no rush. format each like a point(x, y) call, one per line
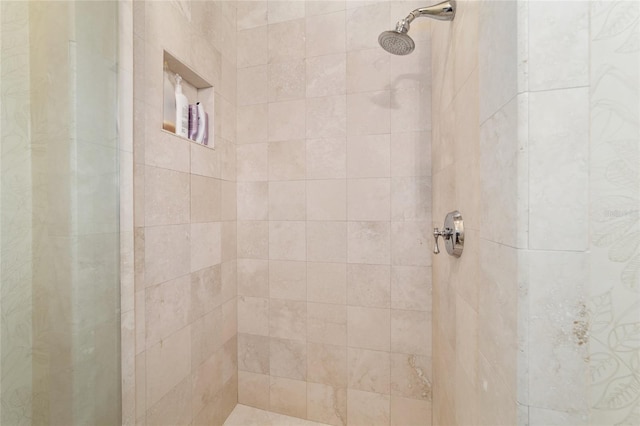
point(290, 268)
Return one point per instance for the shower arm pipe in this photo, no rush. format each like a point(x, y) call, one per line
point(444, 11)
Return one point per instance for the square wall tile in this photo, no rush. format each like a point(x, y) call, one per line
point(286, 120)
point(253, 200)
point(368, 156)
point(368, 328)
point(327, 323)
point(327, 199)
point(327, 364)
point(287, 160)
point(369, 199)
point(327, 241)
point(327, 282)
point(325, 34)
point(287, 200)
point(287, 240)
point(252, 162)
point(369, 285)
point(326, 117)
point(368, 242)
point(287, 280)
point(326, 75)
point(326, 158)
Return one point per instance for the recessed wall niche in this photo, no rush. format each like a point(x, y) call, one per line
point(195, 88)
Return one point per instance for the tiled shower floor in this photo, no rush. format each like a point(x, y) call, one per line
point(249, 416)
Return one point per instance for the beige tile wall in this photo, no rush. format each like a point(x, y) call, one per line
point(478, 159)
point(185, 305)
point(334, 196)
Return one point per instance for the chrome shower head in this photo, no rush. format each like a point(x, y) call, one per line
point(398, 41)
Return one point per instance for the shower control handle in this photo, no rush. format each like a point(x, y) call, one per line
point(445, 234)
point(452, 234)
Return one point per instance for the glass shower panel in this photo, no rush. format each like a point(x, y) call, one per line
point(59, 214)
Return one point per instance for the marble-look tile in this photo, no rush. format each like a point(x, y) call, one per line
point(166, 253)
point(327, 241)
point(369, 370)
point(205, 199)
point(368, 156)
point(166, 197)
point(411, 154)
point(253, 315)
point(411, 376)
point(167, 308)
point(206, 336)
point(544, 417)
point(367, 408)
point(253, 200)
point(252, 162)
point(288, 358)
point(287, 280)
point(368, 328)
point(206, 246)
point(286, 80)
point(253, 277)
point(288, 397)
point(411, 332)
point(369, 199)
point(167, 152)
point(167, 364)
point(411, 198)
point(558, 58)
point(327, 364)
point(327, 323)
point(558, 172)
point(369, 242)
point(287, 200)
point(411, 288)
point(327, 199)
point(287, 240)
point(369, 285)
point(327, 282)
point(253, 390)
point(206, 382)
point(411, 110)
point(253, 353)
point(287, 160)
point(327, 404)
point(253, 240)
point(326, 75)
point(252, 46)
point(504, 187)
point(497, 69)
point(326, 117)
point(363, 33)
point(281, 11)
point(410, 412)
point(325, 34)
point(368, 70)
point(286, 120)
point(252, 85)
point(411, 243)
point(252, 124)
point(557, 307)
point(174, 407)
point(251, 14)
point(326, 158)
point(288, 319)
point(287, 41)
point(368, 113)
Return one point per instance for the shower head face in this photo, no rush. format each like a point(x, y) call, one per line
point(398, 43)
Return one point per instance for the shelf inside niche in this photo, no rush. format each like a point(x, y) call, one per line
point(196, 89)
